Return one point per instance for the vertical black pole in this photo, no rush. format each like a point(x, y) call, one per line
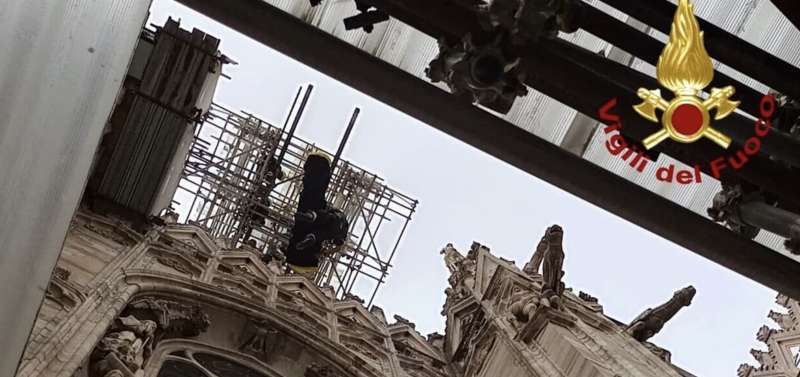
point(295, 122)
point(345, 137)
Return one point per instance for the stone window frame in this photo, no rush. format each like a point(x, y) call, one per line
point(166, 350)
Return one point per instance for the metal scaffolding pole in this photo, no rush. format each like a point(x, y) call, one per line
point(228, 179)
point(501, 139)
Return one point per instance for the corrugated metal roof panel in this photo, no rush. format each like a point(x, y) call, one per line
point(756, 21)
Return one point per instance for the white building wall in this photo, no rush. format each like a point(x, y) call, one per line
point(61, 67)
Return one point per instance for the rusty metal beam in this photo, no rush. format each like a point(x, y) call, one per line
point(501, 139)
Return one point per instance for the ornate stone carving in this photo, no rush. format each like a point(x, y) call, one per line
point(765, 359)
point(316, 370)
point(785, 321)
point(404, 321)
point(553, 260)
point(523, 308)
point(479, 72)
point(62, 295)
point(110, 233)
point(403, 347)
point(479, 353)
point(462, 278)
point(658, 351)
point(532, 267)
point(649, 323)
point(725, 209)
point(174, 319)
point(779, 343)
point(361, 345)
point(378, 313)
point(452, 258)
point(170, 216)
point(540, 318)
point(63, 292)
point(587, 297)
point(174, 264)
point(764, 333)
point(474, 249)
point(352, 297)
point(471, 328)
point(436, 340)
point(127, 345)
point(745, 370)
point(257, 340)
point(125, 348)
point(241, 269)
point(61, 273)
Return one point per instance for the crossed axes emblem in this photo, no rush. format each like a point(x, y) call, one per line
point(686, 69)
point(686, 118)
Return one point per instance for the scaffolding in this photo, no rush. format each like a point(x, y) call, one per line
point(231, 187)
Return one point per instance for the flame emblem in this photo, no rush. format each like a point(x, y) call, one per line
point(686, 69)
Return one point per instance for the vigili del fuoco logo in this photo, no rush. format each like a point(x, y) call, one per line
point(686, 69)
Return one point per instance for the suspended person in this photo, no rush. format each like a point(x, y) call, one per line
point(318, 226)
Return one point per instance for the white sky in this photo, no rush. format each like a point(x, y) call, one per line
point(466, 195)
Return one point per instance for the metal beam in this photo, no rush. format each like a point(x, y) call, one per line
point(584, 80)
point(649, 49)
point(723, 46)
point(501, 139)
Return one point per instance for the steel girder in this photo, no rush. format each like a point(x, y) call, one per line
point(501, 139)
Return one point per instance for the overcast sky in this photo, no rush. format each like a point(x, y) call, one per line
point(466, 195)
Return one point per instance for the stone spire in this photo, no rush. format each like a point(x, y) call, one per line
point(781, 357)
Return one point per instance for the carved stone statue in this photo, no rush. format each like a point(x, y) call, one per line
point(552, 273)
point(259, 340)
point(124, 348)
point(532, 267)
point(435, 339)
point(466, 274)
point(462, 272)
point(523, 309)
point(451, 258)
point(174, 319)
point(649, 323)
point(128, 343)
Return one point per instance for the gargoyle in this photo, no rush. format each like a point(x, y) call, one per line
point(649, 323)
point(552, 273)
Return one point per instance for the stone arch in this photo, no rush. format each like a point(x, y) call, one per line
point(249, 313)
point(185, 350)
